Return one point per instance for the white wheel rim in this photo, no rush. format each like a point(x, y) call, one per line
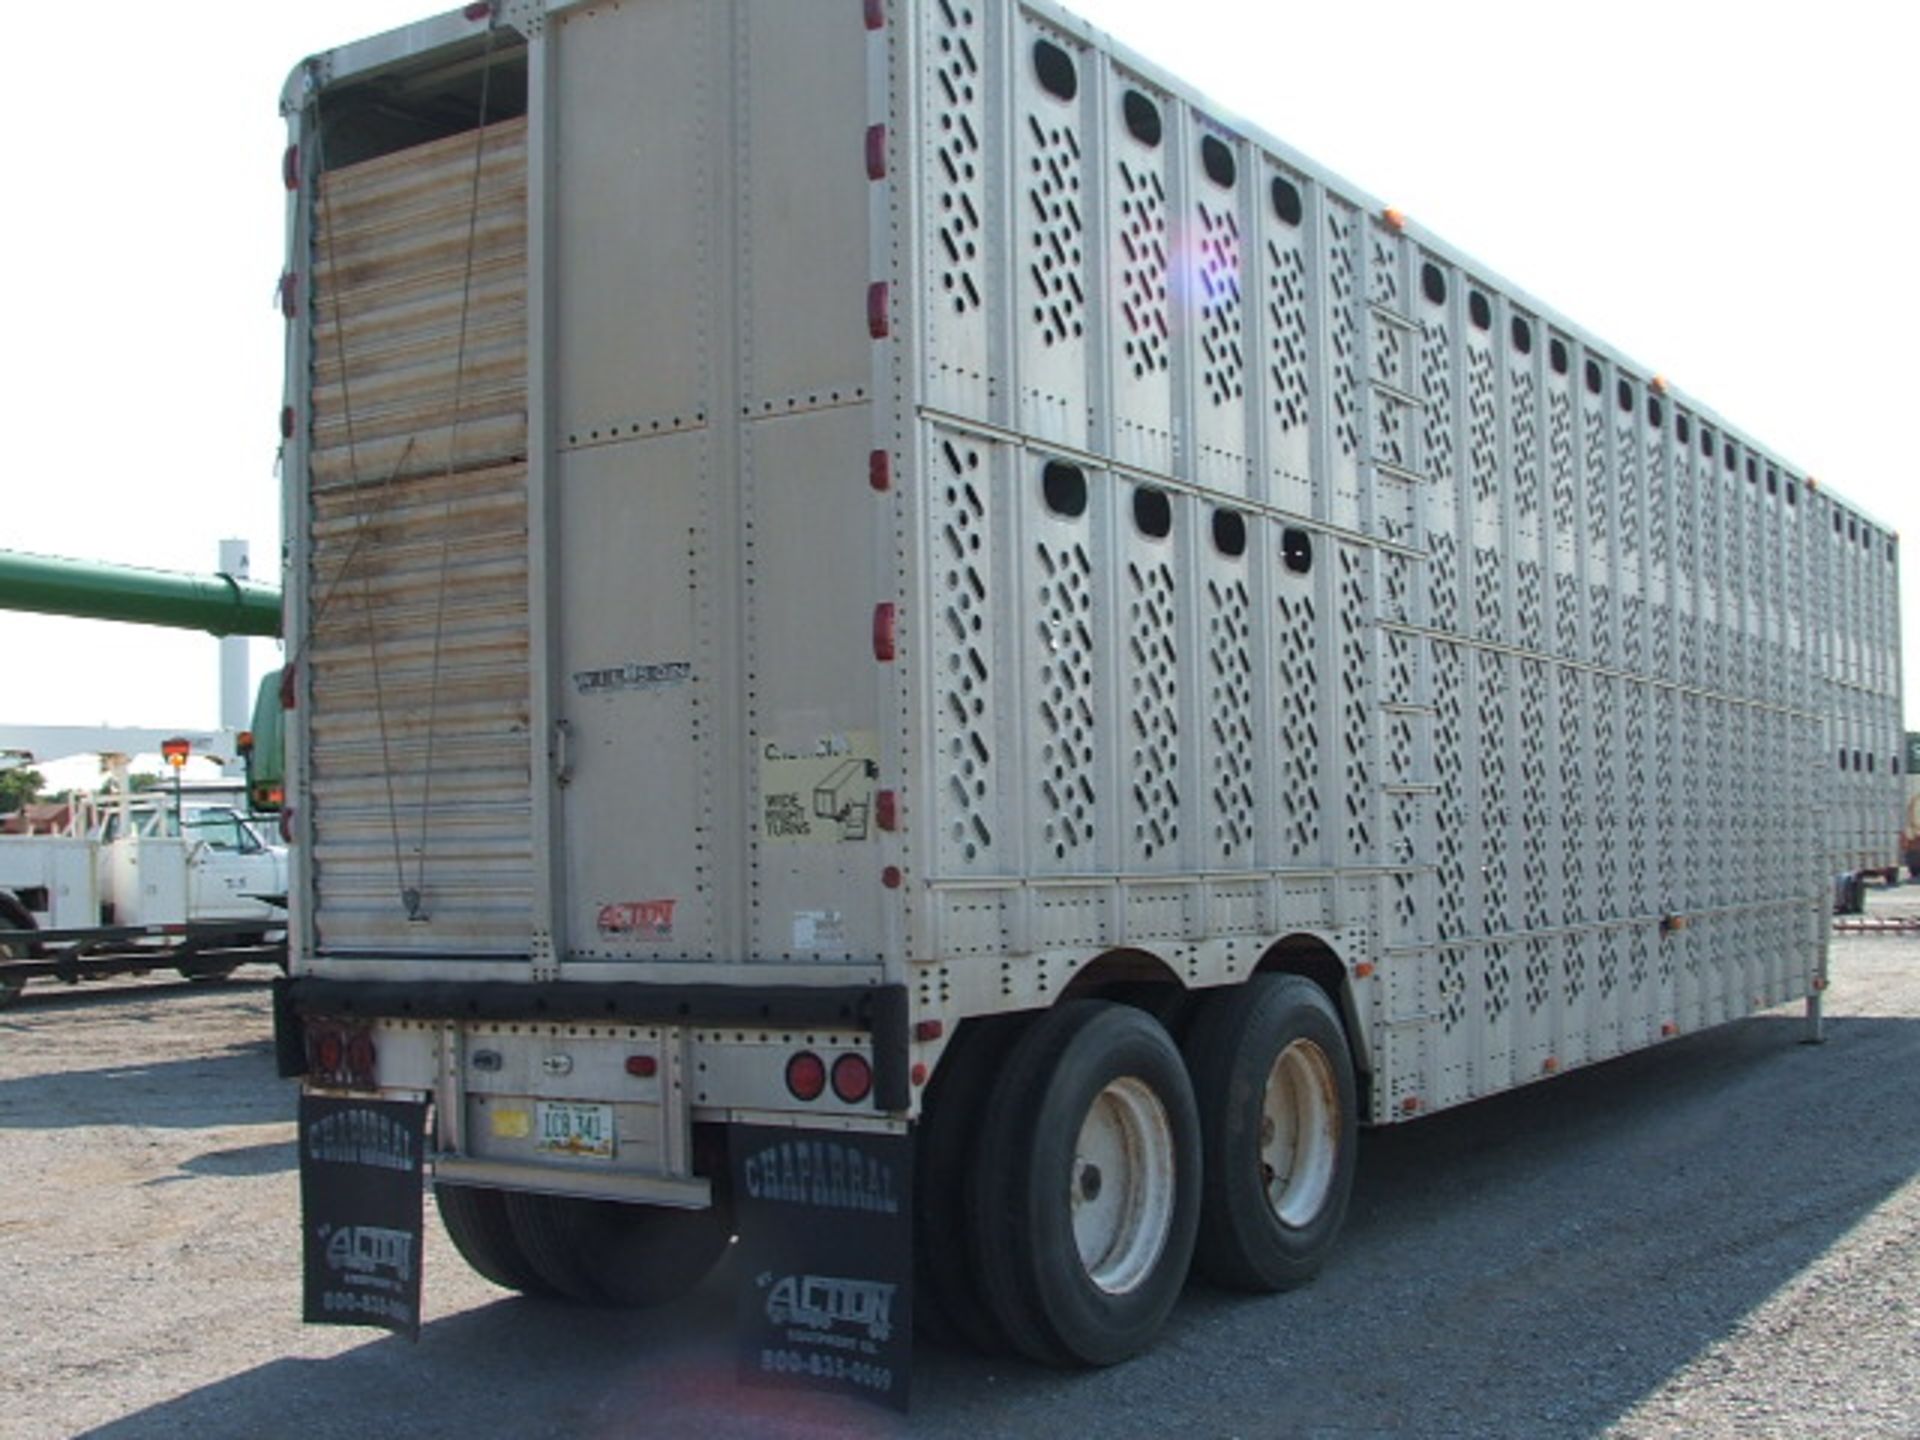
point(1299, 1133)
point(1121, 1189)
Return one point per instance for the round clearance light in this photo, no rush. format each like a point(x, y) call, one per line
point(852, 1078)
point(806, 1076)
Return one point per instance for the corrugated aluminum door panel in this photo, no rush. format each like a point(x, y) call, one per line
point(719, 547)
point(417, 651)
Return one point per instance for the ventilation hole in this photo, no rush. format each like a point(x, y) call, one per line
point(1217, 160)
point(1836, 522)
point(1773, 481)
point(1054, 67)
point(1593, 377)
point(1286, 200)
point(1727, 457)
point(1296, 551)
point(1706, 442)
point(1522, 336)
point(1753, 471)
point(1064, 487)
point(1793, 493)
point(1152, 512)
point(1433, 284)
point(1656, 412)
point(1142, 117)
point(1557, 356)
point(1479, 311)
point(1230, 533)
point(1682, 428)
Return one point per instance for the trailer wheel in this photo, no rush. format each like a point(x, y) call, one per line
point(477, 1223)
point(1086, 1189)
point(211, 975)
point(13, 916)
point(604, 1252)
point(948, 1304)
point(1273, 1077)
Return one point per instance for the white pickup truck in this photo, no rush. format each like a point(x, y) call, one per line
point(136, 869)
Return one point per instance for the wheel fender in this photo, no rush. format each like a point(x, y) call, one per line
point(1320, 956)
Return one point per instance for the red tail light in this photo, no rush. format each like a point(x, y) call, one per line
point(806, 1076)
point(327, 1050)
point(341, 1056)
point(886, 623)
point(852, 1078)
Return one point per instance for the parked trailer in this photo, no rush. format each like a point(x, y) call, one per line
point(881, 589)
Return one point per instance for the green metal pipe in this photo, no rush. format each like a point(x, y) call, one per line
point(97, 590)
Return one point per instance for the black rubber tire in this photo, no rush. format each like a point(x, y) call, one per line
point(1020, 1211)
point(207, 977)
point(1240, 1032)
point(14, 916)
point(477, 1223)
point(948, 1306)
point(602, 1252)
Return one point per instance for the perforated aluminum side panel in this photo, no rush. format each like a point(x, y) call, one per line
point(1526, 741)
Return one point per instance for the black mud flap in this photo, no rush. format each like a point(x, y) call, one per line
point(360, 1211)
point(826, 1246)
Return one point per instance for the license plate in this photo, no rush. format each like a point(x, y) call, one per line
point(567, 1128)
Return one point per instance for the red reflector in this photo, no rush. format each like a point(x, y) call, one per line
point(891, 877)
point(480, 10)
point(885, 631)
point(290, 294)
point(806, 1076)
point(290, 167)
point(645, 1067)
point(929, 1030)
point(880, 470)
point(289, 689)
point(286, 824)
point(876, 14)
point(876, 152)
point(877, 310)
point(886, 810)
point(852, 1078)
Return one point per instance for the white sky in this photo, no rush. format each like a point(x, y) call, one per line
point(1724, 192)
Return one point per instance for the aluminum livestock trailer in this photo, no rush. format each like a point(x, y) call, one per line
point(914, 646)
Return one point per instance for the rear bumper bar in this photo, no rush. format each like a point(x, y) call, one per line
point(881, 1010)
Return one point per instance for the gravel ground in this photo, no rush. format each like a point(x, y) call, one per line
point(1720, 1238)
